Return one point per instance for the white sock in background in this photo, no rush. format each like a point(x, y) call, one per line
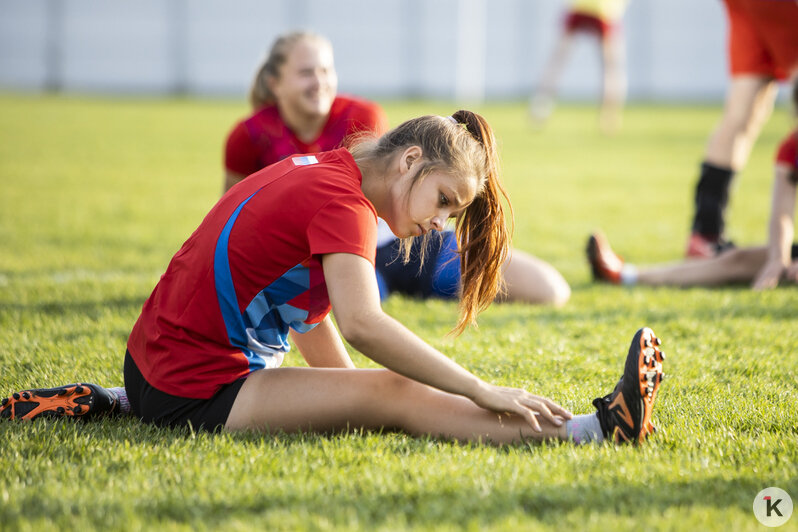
point(629, 274)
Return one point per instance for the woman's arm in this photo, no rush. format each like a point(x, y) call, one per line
point(781, 229)
point(321, 347)
point(355, 300)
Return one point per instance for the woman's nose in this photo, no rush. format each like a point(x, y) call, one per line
point(437, 223)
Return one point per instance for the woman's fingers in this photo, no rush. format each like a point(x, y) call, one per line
point(557, 409)
point(768, 277)
point(529, 416)
point(542, 409)
point(522, 403)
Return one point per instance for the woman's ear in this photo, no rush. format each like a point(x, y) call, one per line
point(409, 156)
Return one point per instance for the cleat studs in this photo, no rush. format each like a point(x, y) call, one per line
point(662, 355)
point(61, 411)
point(657, 341)
point(5, 401)
point(79, 389)
point(77, 410)
point(16, 396)
point(26, 395)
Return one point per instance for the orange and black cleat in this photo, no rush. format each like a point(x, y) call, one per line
point(625, 414)
point(72, 400)
point(604, 263)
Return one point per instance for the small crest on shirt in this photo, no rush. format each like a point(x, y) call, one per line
point(305, 160)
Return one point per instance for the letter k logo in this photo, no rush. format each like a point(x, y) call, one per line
point(773, 506)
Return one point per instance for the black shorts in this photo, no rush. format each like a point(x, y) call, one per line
point(154, 406)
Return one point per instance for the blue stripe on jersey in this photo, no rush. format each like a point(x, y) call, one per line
point(225, 291)
point(263, 327)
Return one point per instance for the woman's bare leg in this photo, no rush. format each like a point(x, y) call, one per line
point(329, 400)
point(734, 265)
point(749, 102)
point(532, 280)
point(613, 81)
point(541, 104)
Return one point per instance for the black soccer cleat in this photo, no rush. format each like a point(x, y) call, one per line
point(625, 414)
point(73, 400)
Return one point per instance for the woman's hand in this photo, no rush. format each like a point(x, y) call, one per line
point(769, 275)
point(791, 273)
point(522, 403)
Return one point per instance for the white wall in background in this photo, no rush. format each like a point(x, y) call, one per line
point(384, 48)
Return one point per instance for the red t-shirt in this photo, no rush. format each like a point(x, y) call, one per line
point(251, 270)
point(264, 139)
point(788, 150)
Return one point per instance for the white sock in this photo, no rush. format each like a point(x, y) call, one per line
point(584, 429)
point(121, 395)
point(629, 274)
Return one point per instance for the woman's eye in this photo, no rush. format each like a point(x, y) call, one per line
point(444, 200)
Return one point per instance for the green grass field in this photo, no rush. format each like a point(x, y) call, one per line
point(97, 194)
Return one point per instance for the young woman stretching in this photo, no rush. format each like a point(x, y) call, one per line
point(296, 109)
point(262, 267)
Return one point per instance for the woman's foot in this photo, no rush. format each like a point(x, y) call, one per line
point(604, 263)
point(72, 400)
point(625, 414)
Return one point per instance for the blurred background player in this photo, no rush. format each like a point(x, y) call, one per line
point(601, 19)
point(762, 48)
point(296, 109)
point(763, 266)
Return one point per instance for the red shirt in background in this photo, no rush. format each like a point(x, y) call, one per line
point(264, 139)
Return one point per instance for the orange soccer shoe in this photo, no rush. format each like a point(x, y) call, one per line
point(72, 400)
point(625, 414)
point(604, 263)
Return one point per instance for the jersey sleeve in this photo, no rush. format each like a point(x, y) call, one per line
point(241, 154)
point(344, 225)
point(788, 151)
